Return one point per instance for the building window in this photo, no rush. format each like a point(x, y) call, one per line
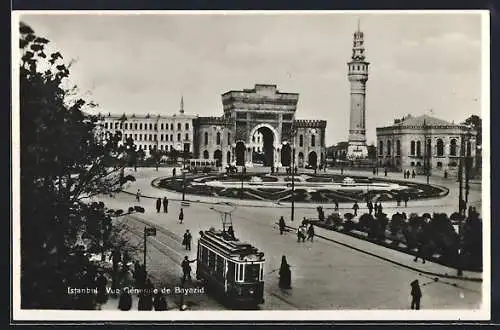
point(381, 148)
point(116, 125)
point(126, 126)
point(150, 137)
point(161, 126)
point(301, 140)
point(205, 154)
point(178, 136)
point(187, 126)
point(161, 137)
point(439, 147)
point(156, 127)
point(156, 137)
point(171, 137)
point(418, 164)
point(140, 126)
point(419, 149)
point(218, 138)
point(135, 126)
point(412, 164)
point(187, 137)
point(398, 148)
point(140, 137)
point(178, 126)
point(206, 138)
point(313, 140)
point(428, 150)
point(453, 147)
point(439, 164)
point(469, 149)
point(106, 125)
point(171, 127)
point(135, 136)
point(388, 148)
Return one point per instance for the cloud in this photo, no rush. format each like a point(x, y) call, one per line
point(453, 53)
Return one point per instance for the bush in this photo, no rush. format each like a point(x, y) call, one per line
point(365, 222)
point(396, 223)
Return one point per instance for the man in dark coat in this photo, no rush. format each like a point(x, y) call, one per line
point(310, 232)
point(416, 295)
point(406, 199)
point(116, 258)
point(370, 206)
point(158, 205)
point(187, 240)
point(282, 225)
point(380, 208)
point(165, 204)
point(285, 280)
point(186, 268)
point(398, 200)
point(355, 207)
point(181, 216)
point(336, 205)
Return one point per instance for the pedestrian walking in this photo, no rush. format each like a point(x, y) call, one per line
point(138, 195)
point(416, 295)
point(282, 225)
point(181, 215)
point(145, 302)
point(369, 204)
point(159, 301)
point(336, 205)
point(445, 174)
point(413, 174)
point(385, 171)
point(158, 205)
point(186, 269)
point(310, 232)
point(406, 199)
point(355, 207)
point(301, 233)
point(101, 285)
point(374, 171)
point(341, 171)
point(285, 280)
point(165, 204)
point(116, 258)
point(173, 172)
point(187, 240)
point(398, 200)
point(404, 174)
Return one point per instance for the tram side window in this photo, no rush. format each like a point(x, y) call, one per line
point(211, 260)
point(219, 268)
point(252, 272)
point(204, 255)
point(231, 271)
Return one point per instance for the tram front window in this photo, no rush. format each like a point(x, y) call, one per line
point(252, 272)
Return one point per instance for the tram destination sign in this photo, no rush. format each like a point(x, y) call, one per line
point(150, 231)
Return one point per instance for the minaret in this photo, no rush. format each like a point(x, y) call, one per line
point(182, 104)
point(357, 75)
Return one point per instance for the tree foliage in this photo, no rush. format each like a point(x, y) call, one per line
point(64, 162)
point(477, 124)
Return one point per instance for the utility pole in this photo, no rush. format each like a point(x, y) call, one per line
point(294, 131)
point(145, 247)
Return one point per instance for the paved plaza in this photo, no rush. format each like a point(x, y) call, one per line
point(339, 272)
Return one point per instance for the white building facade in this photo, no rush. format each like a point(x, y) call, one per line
point(416, 142)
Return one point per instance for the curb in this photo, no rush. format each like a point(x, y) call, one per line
point(471, 279)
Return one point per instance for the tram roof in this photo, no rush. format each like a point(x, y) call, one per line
point(231, 248)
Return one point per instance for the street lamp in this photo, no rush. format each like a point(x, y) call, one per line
point(294, 131)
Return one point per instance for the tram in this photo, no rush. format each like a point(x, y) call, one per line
point(232, 270)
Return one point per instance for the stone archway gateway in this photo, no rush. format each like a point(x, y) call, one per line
point(259, 127)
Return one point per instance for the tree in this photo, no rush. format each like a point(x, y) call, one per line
point(477, 124)
point(156, 156)
point(64, 164)
point(372, 151)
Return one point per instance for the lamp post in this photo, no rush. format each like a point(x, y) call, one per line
point(292, 215)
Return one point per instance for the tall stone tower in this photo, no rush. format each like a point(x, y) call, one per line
point(357, 75)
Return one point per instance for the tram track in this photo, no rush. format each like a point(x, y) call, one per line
point(166, 241)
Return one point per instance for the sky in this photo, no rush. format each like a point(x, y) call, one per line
point(419, 63)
